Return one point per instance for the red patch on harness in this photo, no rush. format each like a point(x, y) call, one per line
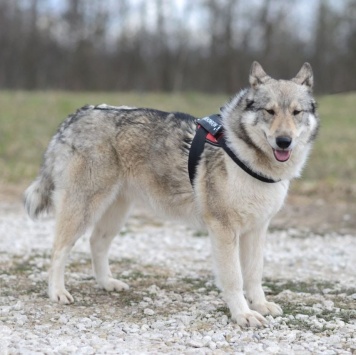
point(212, 139)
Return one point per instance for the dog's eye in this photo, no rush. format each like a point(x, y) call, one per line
point(296, 112)
point(271, 112)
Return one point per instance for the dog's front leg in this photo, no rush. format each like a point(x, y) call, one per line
point(251, 256)
point(226, 255)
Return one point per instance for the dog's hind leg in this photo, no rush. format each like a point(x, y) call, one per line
point(104, 232)
point(69, 227)
point(251, 256)
point(76, 210)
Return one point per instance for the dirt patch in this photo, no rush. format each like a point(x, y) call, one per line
point(317, 214)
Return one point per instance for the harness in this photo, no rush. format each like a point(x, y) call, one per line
point(210, 130)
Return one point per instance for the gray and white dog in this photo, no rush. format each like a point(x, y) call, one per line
point(103, 159)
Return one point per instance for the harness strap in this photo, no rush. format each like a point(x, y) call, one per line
point(209, 130)
point(222, 143)
point(195, 152)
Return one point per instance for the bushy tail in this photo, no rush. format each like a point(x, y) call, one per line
point(38, 196)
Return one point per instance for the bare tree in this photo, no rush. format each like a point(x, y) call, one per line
point(139, 45)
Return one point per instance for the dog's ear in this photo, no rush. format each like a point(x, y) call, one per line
point(257, 75)
point(305, 76)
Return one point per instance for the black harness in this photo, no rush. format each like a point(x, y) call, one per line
point(210, 130)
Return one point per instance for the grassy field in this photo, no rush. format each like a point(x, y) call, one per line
point(29, 119)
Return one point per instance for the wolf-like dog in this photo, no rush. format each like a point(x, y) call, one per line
point(103, 159)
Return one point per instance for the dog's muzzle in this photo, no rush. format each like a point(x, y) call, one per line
point(284, 153)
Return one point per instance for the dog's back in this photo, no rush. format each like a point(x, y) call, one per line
point(99, 148)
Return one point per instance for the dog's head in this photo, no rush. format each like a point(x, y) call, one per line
point(277, 119)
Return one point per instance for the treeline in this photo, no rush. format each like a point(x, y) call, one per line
point(205, 45)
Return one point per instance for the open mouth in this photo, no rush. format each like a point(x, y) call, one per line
point(282, 155)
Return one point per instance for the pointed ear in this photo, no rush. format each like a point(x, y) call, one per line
point(257, 75)
point(305, 76)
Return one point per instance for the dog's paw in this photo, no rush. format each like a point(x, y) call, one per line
point(61, 296)
point(250, 319)
point(266, 308)
point(114, 285)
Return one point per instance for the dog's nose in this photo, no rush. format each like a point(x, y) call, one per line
point(283, 142)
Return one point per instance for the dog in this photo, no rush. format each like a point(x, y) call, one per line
point(104, 159)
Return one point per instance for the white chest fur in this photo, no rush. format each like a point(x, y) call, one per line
point(255, 202)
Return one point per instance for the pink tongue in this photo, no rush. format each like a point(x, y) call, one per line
point(282, 155)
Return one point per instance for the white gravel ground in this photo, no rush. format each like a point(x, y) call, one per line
point(172, 305)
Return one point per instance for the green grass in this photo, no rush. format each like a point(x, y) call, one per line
point(29, 119)
point(334, 155)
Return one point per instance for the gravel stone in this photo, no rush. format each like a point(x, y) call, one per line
point(149, 312)
point(172, 305)
point(195, 344)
